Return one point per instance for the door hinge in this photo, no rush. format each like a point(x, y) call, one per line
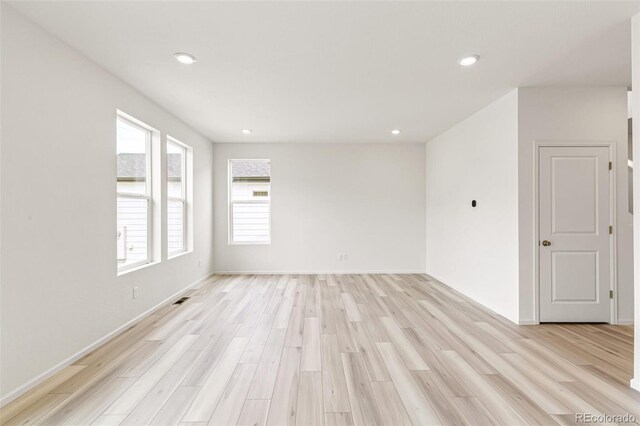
point(610, 229)
point(610, 165)
point(610, 294)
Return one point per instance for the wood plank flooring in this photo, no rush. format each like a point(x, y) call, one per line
point(337, 350)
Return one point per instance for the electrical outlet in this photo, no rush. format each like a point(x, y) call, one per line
point(339, 256)
point(135, 292)
point(345, 256)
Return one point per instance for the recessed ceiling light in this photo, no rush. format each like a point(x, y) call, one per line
point(469, 60)
point(185, 58)
point(246, 131)
point(395, 132)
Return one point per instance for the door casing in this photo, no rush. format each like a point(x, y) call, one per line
point(613, 275)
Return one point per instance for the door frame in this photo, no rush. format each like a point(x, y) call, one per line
point(613, 258)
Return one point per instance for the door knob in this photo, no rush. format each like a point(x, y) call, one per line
point(546, 243)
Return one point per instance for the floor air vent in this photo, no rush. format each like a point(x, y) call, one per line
point(181, 301)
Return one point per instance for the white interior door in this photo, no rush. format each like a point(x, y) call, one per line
point(574, 249)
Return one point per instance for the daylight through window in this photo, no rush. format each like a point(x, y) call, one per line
point(176, 197)
point(249, 201)
point(134, 209)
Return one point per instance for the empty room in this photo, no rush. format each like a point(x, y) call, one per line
point(319, 213)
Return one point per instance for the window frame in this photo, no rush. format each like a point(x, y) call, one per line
point(148, 196)
point(231, 202)
point(184, 200)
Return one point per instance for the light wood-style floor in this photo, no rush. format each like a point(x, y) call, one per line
point(337, 350)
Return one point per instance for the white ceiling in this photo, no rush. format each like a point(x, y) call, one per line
point(342, 71)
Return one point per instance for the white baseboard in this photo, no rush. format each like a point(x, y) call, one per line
point(533, 322)
point(472, 298)
point(73, 358)
point(355, 272)
point(635, 384)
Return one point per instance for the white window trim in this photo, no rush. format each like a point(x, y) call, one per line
point(231, 202)
point(148, 196)
point(184, 199)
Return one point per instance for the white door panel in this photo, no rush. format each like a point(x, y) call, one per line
point(570, 266)
point(574, 195)
point(574, 220)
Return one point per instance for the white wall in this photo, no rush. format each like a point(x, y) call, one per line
point(60, 292)
point(366, 200)
point(573, 114)
point(475, 250)
point(475, 159)
point(635, 46)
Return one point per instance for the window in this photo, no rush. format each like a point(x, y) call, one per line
point(177, 208)
point(249, 201)
point(134, 200)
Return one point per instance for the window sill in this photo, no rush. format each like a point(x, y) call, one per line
point(178, 254)
point(137, 268)
point(251, 244)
